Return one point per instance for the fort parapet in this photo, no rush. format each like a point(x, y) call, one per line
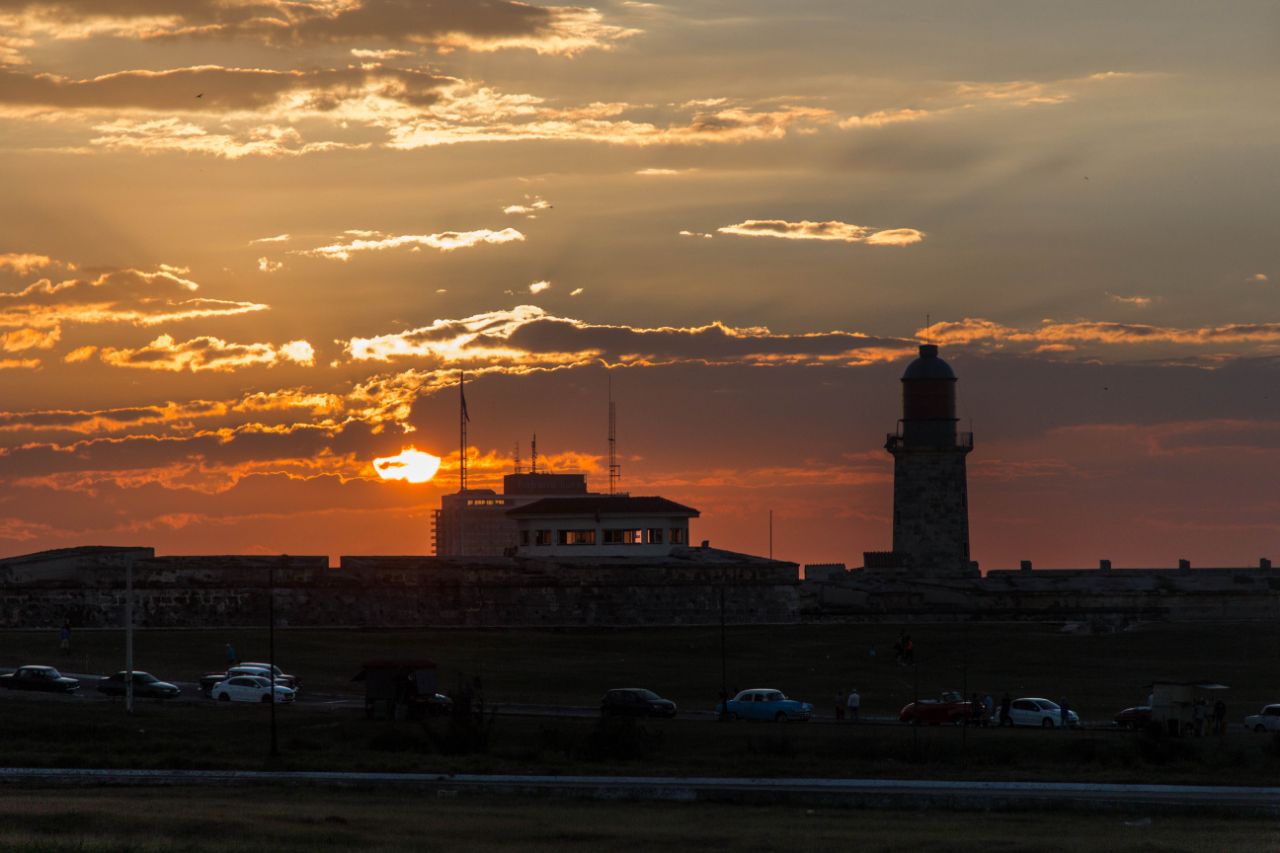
point(87, 587)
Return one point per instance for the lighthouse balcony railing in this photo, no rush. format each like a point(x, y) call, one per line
point(896, 440)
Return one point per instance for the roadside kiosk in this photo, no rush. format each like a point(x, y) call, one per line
point(1173, 703)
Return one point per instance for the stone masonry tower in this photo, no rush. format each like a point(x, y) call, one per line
point(930, 490)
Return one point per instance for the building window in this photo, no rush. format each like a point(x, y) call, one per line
point(655, 535)
point(542, 537)
point(677, 536)
point(577, 537)
point(622, 537)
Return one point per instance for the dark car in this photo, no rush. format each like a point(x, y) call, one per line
point(636, 702)
point(145, 686)
point(43, 678)
point(1137, 717)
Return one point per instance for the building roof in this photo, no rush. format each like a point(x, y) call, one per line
point(603, 505)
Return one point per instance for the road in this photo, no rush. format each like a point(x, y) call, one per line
point(882, 793)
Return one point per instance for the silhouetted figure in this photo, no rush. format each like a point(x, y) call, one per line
point(840, 699)
point(854, 704)
point(64, 638)
point(1220, 717)
point(231, 655)
point(1064, 712)
point(1005, 702)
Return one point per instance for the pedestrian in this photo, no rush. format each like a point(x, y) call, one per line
point(908, 651)
point(1197, 716)
point(64, 638)
point(840, 699)
point(1005, 702)
point(854, 703)
point(871, 652)
point(1219, 717)
point(988, 707)
point(1064, 712)
point(231, 655)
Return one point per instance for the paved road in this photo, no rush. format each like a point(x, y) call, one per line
point(889, 793)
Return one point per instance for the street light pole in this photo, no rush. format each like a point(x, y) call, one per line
point(271, 647)
point(128, 635)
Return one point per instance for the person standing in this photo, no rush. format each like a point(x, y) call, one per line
point(1064, 712)
point(853, 703)
point(840, 700)
point(64, 639)
point(1005, 703)
point(231, 655)
point(1219, 717)
point(988, 710)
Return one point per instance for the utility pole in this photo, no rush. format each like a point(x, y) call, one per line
point(724, 666)
point(128, 635)
point(770, 534)
point(271, 646)
point(463, 419)
point(615, 470)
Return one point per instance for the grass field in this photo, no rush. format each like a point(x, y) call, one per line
point(1099, 673)
point(307, 820)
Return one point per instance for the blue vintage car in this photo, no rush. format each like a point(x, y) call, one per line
point(765, 704)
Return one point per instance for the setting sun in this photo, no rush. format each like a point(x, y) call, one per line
point(410, 465)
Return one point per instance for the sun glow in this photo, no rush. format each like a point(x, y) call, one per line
point(410, 465)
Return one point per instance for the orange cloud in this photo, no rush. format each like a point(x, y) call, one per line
point(445, 241)
point(206, 353)
point(832, 231)
point(977, 330)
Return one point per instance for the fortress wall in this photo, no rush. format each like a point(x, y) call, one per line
point(219, 591)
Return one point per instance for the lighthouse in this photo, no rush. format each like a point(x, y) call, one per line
point(930, 488)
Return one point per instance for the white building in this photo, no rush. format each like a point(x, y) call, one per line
point(601, 526)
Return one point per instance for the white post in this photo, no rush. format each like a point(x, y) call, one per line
point(128, 635)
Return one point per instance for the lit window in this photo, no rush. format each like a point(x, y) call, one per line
point(677, 536)
point(577, 537)
point(542, 537)
point(655, 535)
point(623, 537)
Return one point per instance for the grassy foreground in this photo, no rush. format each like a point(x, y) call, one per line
point(289, 821)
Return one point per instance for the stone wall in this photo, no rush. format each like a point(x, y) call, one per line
point(87, 587)
point(931, 509)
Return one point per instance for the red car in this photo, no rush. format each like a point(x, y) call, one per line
point(952, 708)
point(1137, 717)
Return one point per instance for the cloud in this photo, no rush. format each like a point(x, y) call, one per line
point(656, 172)
point(279, 238)
point(116, 296)
point(206, 354)
point(446, 24)
point(268, 265)
point(19, 363)
point(880, 118)
point(1259, 277)
point(23, 263)
point(24, 339)
point(701, 234)
point(577, 291)
point(445, 241)
point(539, 286)
point(1139, 301)
point(831, 230)
point(982, 331)
point(529, 208)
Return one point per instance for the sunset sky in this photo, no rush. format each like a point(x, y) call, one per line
point(246, 246)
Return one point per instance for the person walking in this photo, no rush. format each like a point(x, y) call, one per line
point(64, 639)
point(840, 700)
point(1005, 703)
point(853, 703)
point(1064, 712)
point(1219, 717)
point(231, 655)
point(988, 710)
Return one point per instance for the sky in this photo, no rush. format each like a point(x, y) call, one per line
point(246, 246)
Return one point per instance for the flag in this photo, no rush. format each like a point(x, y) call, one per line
point(462, 382)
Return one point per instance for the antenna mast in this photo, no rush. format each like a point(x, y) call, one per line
point(533, 452)
point(615, 470)
point(519, 466)
point(463, 417)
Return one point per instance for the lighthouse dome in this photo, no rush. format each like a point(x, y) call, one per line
point(928, 365)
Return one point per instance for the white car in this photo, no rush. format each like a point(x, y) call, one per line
point(1266, 720)
point(1039, 712)
point(249, 688)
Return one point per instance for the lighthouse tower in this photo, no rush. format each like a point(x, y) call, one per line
point(930, 490)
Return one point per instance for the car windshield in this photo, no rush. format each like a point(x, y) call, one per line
point(773, 696)
point(1046, 705)
point(647, 694)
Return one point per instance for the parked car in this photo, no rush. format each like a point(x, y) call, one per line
point(250, 688)
point(765, 704)
point(145, 685)
point(951, 708)
point(1266, 720)
point(1040, 712)
point(1137, 717)
point(635, 702)
point(282, 677)
point(43, 678)
point(209, 680)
